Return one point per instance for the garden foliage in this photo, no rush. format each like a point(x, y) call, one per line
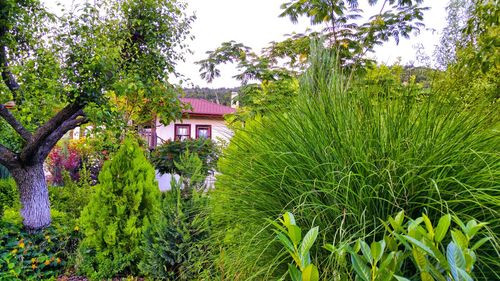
point(123, 206)
point(8, 195)
point(176, 244)
point(35, 256)
point(344, 159)
point(165, 155)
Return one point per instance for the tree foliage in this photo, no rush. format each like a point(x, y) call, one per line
point(277, 65)
point(106, 62)
point(123, 206)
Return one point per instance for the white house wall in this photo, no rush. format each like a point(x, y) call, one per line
point(219, 129)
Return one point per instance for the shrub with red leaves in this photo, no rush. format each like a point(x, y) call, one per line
point(60, 159)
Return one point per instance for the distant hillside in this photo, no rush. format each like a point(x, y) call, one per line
point(220, 95)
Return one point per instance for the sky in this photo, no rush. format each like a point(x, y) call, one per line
point(255, 23)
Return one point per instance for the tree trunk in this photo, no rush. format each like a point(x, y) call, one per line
point(34, 196)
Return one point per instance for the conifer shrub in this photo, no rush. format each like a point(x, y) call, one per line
point(123, 206)
point(176, 246)
point(343, 159)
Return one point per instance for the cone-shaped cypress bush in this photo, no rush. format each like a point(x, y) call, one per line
point(124, 204)
point(344, 159)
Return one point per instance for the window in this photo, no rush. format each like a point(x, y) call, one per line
point(203, 131)
point(182, 132)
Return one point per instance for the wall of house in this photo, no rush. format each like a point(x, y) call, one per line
point(219, 129)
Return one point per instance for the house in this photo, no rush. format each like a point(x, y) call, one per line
point(204, 119)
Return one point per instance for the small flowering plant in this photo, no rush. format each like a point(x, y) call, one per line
point(36, 256)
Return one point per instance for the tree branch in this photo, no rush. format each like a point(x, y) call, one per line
point(7, 115)
point(7, 76)
point(7, 157)
point(46, 146)
point(67, 114)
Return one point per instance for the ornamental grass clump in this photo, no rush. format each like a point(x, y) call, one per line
point(344, 158)
point(124, 204)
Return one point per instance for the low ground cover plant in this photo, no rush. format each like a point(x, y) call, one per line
point(343, 159)
point(35, 256)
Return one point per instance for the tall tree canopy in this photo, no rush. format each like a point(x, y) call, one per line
point(341, 27)
point(63, 71)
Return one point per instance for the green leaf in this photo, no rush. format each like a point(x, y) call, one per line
point(308, 240)
point(419, 244)
point(310, 273)
point(294, 233)
point(399, 278)
point(365, 249)
point(362, 270)
point(428, 226)
point(288, 219)
point(456, 259)
point(480, 243)
point(377, 250)
point(465, 276)
point(294, 272)
point(387, 261)
point(442, 228)
point(420, 259)
point(460, 239)
point(285, 241)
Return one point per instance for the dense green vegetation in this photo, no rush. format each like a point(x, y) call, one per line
point(343, 158)
point(392, 172)
point(123, 206)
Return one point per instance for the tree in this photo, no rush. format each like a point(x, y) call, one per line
point(469, 52)
point(62, 72)
point(278, 65)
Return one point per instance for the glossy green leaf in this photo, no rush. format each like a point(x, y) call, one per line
point(308, 240)
point(365, 249)
point(442, 228)
point(480, 243)
point(294, 233)
point(294, 272)
point(456, 259)
point(288, 219)
point(310, 273)
point(419, 244)
point(460, 239)
point(377, 250)
point(361, 269)
point(428, 226)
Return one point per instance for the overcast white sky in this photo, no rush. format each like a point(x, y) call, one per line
point(255, 23)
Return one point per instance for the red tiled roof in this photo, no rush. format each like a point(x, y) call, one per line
point(204, 107)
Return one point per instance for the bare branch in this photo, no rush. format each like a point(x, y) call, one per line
point(7, 115)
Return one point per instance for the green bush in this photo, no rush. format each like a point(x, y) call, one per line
point(423, 245)
point(71, 198)
point(122, 207)
point(165, 156)
point(343, 159)
point(176, 245)
point(8, 195)
point(35, 256)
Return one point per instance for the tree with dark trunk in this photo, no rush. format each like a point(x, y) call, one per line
point(61, 72)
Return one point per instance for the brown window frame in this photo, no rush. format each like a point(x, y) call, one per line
point(188, 126)
point(209, 127)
